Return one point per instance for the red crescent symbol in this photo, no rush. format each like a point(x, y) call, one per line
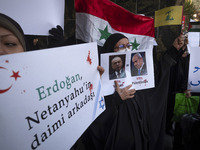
point(2, 68)
point(4, 90)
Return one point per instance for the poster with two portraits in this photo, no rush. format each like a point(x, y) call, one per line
point(131, 67)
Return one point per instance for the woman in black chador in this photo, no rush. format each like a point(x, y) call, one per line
point(132, 120)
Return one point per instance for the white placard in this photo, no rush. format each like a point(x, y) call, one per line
point(35, 17)
point(194, 39)
point(48, 97)
point(138, 82)
point(194, 69)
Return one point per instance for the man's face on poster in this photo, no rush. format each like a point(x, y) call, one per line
point(117, 63)
point(137, 61)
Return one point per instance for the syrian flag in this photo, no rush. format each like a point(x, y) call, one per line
point(96, 20)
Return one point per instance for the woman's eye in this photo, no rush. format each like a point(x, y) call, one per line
point(10, 44)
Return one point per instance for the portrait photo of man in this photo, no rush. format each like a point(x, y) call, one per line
point(138, 64)
point(117, 69)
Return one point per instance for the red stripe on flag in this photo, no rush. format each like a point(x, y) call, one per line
point(119, 18)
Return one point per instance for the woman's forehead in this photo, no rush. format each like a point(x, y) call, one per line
point(4, 31)
point(122, 41)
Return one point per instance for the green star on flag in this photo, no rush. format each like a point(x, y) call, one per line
point(95, 23)
point(104, 33)
point(135, 45)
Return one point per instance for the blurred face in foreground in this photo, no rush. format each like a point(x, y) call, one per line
point(9, 43)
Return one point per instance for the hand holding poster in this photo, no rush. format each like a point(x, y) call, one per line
point(127, 68)
point(48, 97)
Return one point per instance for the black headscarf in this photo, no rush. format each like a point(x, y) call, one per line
point(14, 27)
point(111, 42)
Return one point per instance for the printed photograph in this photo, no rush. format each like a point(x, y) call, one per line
point(138, 64)
point(117, 67)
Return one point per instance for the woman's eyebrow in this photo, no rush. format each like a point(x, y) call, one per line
point(6, 35)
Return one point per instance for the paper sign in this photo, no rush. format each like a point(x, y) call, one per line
point(194, 39)
point(48, 97)
point(35, 17)
point(129, 72)
point(194, 69)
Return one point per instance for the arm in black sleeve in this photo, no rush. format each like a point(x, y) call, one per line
point(113, 100)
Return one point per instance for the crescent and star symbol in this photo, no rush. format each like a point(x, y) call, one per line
point(14, 75)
